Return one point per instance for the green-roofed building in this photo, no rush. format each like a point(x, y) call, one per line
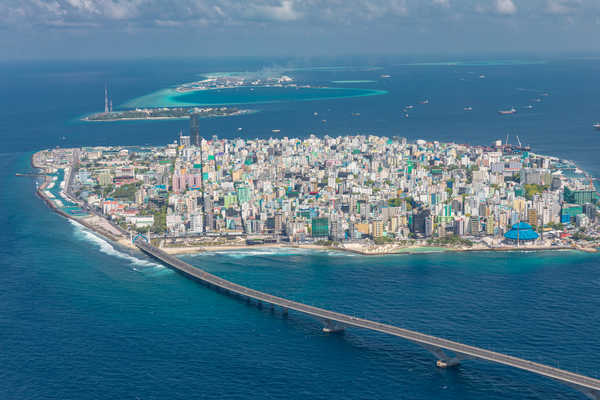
point(230, 200)
point(243, 194)
point(320, 227)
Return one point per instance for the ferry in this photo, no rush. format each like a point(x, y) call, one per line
point(596, 125)
point(507, 112)
point(468, 108)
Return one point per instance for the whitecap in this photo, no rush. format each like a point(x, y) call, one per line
point(105, 247)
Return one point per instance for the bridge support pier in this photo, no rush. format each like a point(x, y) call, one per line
point(332, 327)
point(592, 394)
point(589, 393)
point(443, 360)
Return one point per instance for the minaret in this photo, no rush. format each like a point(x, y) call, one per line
point(105, 98)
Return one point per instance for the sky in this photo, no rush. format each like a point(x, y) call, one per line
point(83, 29)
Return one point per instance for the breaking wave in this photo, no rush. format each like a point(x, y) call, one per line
point(105, 247)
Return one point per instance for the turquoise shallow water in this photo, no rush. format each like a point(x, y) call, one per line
point(246, 95)
point(82, 319)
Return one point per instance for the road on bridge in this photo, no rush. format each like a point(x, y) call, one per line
point(589, 386)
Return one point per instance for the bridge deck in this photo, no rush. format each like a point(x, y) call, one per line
point(589, 385)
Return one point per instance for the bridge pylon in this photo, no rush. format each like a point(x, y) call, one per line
point(592, 394)
point(443, 359)
point(589, 393)
point(332, 327)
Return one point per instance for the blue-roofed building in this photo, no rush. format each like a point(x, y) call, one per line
point(521, 232)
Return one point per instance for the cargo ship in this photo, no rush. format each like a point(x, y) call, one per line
point(507, 112)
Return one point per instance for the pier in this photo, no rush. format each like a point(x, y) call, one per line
point(334, 321)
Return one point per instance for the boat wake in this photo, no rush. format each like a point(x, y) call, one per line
point(105, 247)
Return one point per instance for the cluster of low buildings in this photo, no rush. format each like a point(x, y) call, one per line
point(346, 188)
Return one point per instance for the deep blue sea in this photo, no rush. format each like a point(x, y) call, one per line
point(81, 319)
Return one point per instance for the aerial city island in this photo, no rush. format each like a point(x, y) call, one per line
point(364, 194)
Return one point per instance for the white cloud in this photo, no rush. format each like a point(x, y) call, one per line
point(323, 14)
point(505, 7)
point(562, 7)
point(121, 9)
point(373, 9)
point(167, 23)
point(282, 12)
point(84, 5)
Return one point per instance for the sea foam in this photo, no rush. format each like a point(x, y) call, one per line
point(105, 247)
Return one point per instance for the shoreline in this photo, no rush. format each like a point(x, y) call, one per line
point(409, 250)
point(235, 114)
point(103, 233)
point(105, 229)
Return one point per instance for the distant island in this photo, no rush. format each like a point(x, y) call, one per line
point(163, 113)
point(232, 80)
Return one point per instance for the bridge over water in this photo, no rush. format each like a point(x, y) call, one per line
point(336, 321)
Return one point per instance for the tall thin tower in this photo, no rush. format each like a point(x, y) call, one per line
point(195, 129)
point(105, 98)
point(195, 133)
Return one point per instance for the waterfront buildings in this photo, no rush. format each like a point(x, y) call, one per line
point(348, 188)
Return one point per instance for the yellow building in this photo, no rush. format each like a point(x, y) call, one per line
point(377, 228)
point(532, 217)
point(363, 228)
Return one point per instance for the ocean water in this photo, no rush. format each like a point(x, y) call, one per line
point(81, 318)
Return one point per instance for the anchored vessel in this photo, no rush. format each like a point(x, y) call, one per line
point(507, 112)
